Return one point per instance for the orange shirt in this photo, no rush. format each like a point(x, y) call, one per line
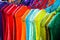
point(24, 25)
point(20, 12)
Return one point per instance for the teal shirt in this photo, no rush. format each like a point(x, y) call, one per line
point(32, 34)
point(27, 24)
point(54, 27)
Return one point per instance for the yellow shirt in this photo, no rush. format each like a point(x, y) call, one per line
point(37, 22)
point(43, 28)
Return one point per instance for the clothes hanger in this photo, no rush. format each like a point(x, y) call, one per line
point(18, 21)
point(27, 26)
point(32, 32)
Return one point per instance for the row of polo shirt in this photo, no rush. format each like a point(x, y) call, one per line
point(23, 23)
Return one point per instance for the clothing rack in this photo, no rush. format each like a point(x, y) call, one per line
point(30, 20)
